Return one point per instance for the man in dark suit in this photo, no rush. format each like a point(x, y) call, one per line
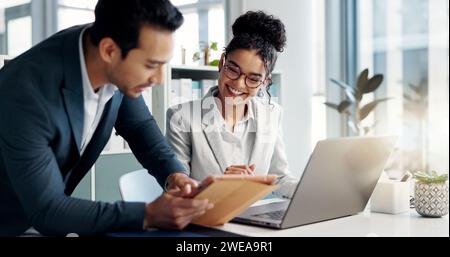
point(58, 104)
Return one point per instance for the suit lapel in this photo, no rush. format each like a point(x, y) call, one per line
point(211, 130)
point(265, 128)
point(74, 107)
point(73, 88)
point(213, 137)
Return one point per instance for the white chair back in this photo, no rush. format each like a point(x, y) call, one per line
point(139, 186)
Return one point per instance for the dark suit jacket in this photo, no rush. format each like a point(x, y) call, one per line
point(41, 124)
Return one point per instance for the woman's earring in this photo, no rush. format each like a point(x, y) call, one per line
point(260, 93)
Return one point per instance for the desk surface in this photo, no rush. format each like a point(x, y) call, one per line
point(364, 224)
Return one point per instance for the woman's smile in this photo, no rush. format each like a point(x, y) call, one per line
point(234, 92)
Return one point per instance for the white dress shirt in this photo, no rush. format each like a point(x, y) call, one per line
point(94, 102)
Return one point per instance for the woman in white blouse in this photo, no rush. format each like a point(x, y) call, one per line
point(233, 129)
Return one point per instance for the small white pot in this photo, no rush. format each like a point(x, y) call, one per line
point(431, 200)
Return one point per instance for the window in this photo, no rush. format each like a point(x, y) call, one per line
point(407, 42)
point(204, 24)
point(318, 115)
point(37, 20)
point(184, 2)
point(72, 13)
point(186, 40)
point(15, 15)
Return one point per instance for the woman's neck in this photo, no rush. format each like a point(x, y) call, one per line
point(233, 113)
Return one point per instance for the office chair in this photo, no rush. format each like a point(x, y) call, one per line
point(139, 186)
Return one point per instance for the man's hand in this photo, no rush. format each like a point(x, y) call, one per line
point(170, 211)
point(181, 182)
point(240, 169)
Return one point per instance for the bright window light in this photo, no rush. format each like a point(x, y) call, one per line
point(183, 2)
point(20, 42)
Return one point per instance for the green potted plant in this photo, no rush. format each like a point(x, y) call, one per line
point(431, 194)
point(353, 106)
point(206, 54)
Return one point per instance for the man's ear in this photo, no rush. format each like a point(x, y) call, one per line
point(108, 50)
point(221, 62)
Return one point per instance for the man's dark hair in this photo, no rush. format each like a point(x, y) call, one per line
point(122, 20)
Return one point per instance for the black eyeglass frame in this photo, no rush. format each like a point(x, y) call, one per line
point(227, 68)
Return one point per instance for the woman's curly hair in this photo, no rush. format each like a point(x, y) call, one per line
point(262, 32)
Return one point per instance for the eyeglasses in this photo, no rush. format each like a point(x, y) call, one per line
point(233, 72)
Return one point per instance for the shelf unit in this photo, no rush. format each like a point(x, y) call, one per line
point(161, 95)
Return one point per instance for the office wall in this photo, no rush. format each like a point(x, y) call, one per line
point(295, 64)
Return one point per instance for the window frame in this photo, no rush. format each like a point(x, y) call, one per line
point(351, 10)
point(202, 7)
point(341, 64)
point(13, 13)
point(44, 15)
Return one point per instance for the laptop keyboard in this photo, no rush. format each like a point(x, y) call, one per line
point(274, 215)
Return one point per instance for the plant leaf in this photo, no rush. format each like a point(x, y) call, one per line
point(332, 105)
point(358, 95)
point(214, 46)
point(419, 90)
point(196, 56)
point(368, 108)
point(408, 98)
point(373, 84)
point(214, 63)
point(349, 91)
point(430, 177)
point(343, 106)
point(362, 80)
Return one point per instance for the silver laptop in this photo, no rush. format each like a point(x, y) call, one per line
point(338, 181)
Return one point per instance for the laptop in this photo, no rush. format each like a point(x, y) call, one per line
point(338, 181)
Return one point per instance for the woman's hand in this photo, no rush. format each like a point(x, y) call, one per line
point(240, 169)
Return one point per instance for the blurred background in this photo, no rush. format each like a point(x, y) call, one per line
point(405, 41)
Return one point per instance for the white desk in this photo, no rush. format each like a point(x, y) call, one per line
point(366, 224)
